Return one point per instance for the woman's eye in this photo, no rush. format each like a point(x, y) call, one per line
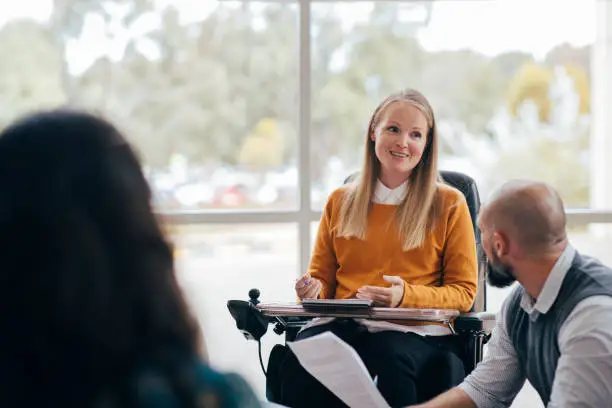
point(393, 129)
point(416, 135)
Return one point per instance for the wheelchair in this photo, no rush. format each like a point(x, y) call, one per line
point(470, 331)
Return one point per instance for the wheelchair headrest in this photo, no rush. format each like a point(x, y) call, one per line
point(467, 186)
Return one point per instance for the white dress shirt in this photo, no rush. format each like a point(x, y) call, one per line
point(387, 196)
point(584, 370)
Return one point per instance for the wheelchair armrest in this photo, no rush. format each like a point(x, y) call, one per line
point(253, 324)
point(250, 321)
point(475, 322)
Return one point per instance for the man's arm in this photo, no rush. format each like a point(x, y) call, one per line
point(455, 398)
point(495, 381)
point(584, 369)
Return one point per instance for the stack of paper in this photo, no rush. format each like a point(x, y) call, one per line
point(338, 367)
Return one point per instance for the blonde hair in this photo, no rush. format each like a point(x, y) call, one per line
point(417, 212)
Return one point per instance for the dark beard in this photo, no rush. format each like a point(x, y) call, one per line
point(499, 275)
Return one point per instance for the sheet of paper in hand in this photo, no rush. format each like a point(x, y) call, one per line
point(339, 368)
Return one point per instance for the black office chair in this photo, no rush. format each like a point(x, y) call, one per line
point(472, 329)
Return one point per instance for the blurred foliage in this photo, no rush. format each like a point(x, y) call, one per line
point(567, 54)
point(26, 83)
point(567, 170)
point(225, 88)
point(581, 85)
point(532, 83)
point(264, 148)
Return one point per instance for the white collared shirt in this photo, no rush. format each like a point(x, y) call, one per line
point(388, 196)
point(584, 369)
point(551, 287)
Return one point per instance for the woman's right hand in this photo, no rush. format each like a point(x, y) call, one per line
point(308, 287)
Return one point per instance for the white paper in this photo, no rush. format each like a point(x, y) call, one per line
point(339, 368)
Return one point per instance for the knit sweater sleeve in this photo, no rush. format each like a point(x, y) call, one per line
point(323, 263)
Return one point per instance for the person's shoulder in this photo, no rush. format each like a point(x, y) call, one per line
point(585, 261)
point(210, 387)
point(339, 193)
point(512, 302)
point(589, 321)
point(227, 389)
point(449, 198)
point(510, 308)
point(335, 198)
point(448, 193)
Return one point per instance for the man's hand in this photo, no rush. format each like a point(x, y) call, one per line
point(308, 287)
point(385, 297)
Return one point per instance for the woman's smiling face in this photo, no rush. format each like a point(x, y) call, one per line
point(400, 138)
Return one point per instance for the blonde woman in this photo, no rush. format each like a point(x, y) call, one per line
point(399, 237)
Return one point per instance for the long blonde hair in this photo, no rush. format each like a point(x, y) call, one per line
point(416, 214)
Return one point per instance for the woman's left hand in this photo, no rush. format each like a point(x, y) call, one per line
point(385, 297)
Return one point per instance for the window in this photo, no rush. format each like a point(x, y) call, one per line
point(510, 102)
point(206, 91)
point(247, 114)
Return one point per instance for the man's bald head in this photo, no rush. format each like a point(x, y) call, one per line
point(529, 213)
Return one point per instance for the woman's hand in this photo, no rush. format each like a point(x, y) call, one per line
point(385, 297)
point(308, 287)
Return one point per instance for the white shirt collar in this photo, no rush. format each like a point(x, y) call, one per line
point(551, 287)
point(386, 195)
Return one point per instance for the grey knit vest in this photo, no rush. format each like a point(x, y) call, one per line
point(536, 342)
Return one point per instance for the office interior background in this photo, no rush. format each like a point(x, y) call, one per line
point(247, 114)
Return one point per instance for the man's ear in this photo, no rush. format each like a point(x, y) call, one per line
point(501, 245)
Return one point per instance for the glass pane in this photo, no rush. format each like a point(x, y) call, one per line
point(216, 263)
point(207, 91)
point(509, 103)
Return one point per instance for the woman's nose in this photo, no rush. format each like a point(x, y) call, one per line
point(403, 140)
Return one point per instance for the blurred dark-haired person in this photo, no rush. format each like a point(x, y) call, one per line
point(91, 312)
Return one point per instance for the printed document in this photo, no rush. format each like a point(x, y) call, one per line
point(339, 368)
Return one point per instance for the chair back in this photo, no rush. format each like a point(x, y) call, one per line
point(468, 187)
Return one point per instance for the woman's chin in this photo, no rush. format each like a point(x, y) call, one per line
point(397, 169)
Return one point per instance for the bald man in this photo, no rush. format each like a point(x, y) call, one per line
point(555, 328)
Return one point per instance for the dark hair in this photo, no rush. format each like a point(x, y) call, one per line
point(87, 282)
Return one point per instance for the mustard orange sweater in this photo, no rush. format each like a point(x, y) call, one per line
point(441, 274)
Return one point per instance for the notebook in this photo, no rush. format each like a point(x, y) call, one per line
point(337, 304)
